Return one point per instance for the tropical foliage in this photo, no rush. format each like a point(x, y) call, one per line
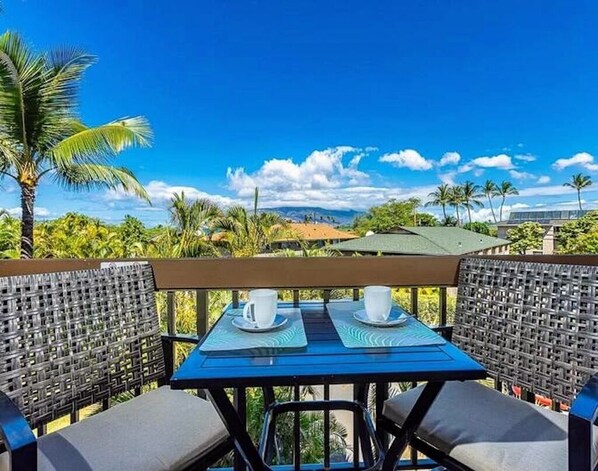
point(503, 190)
point(578, 182)
point(389, 216)
point(41, 135)
point(579, 236)
point(481, 228)
point(526, 236)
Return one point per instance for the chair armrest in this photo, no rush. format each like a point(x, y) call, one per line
point(168, 341)
point(184, 338)
point(582, 417)
point(17, 436)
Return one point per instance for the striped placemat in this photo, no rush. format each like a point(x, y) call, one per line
point(226, 337)
point(355, 334)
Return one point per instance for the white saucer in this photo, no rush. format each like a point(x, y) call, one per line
point(395, 318)
point(243, 324)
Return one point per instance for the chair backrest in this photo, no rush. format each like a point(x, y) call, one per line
point(72, 339)
point(533, 325)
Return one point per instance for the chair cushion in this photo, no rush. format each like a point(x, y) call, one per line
point(486, 430)
point(161, 430)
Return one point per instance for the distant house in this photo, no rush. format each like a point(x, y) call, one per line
point(551, 222)
point(424, 241)
point(315, 234)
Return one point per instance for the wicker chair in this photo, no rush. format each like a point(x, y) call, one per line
point(534, 326)
point(72, 339)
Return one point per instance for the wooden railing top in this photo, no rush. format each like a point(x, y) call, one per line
point(290, 272)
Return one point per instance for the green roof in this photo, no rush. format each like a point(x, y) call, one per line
point(422, 241)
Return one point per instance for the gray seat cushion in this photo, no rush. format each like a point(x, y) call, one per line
point(486, 430)
point(160, 430)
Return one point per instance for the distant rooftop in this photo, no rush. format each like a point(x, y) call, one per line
point(543, 216)
point(422, 241)
point(314, 231)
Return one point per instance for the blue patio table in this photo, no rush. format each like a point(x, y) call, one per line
point(324, 361)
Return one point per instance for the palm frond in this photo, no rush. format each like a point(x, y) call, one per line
point(21, 77)
point(93, 176)
point(96, 145)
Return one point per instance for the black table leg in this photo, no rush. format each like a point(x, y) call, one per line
point(411, 424)
point(381, 397)
point(240, 403)
point(237, 429)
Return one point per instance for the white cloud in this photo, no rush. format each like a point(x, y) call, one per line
point(543, 180)
point(448, 177)
point(549, 190)
point(160, 194)
point(501, 161)
point(322, 169)
point(408, 158)
point(37, 210)
point(525, 157)
point(449, 158)
point(517, 175)
point(583, 159)
point(485, 214)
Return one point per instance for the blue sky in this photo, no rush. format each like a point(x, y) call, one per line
point(337, 104)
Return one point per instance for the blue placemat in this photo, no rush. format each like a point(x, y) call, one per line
point(225, 336)
point(354, 334)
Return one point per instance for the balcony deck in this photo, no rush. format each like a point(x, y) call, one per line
point(202, 278)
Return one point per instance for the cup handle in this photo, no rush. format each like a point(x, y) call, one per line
point(248, 313)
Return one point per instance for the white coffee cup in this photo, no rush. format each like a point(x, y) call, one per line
point(378, 302)
point(260, 310)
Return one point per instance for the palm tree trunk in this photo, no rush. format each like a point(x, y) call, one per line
point(491, 208)
point(579, 198)
point(458, 218)
point(502, 203)
point(444, 211)
point(27, 203)
point(469, 213)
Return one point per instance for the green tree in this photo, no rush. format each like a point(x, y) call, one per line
point(247, 234)
point(456, 201)
point(503, 190)
point(193, 222)
point(571, 232)
point(41, 135)
point(387, 216)
point(490, 190)
point(78, 236)
point(525, 236)
point(134, 235)
point(471, 197)
point(426, 219)
point(440, 197)
point(449, 221)
point(579, 182)
point(584, 244)
point(9, 236)
point(479, 227)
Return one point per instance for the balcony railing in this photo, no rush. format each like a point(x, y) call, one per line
point(325, 275)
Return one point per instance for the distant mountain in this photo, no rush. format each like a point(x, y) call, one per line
point(335, 217)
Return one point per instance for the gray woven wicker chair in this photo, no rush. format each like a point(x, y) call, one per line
point(534, 326)
point(72, 339)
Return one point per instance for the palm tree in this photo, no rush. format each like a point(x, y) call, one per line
point(579, 182)
point(456, 200)
point(490, 190)
point(471, 195)
point(193, 225)
point(248, 233)
point(503, 190)
point(440, 197)
point(41, 135)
